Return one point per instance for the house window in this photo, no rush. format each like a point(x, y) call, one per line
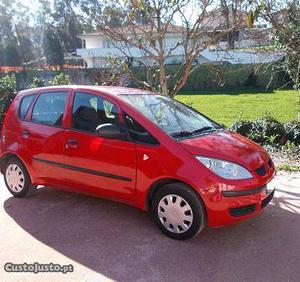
point(107, 44)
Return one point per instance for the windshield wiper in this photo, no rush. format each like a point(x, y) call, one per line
point(180, 134)
point(203, 129)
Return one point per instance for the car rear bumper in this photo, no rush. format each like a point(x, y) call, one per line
point(230, 208)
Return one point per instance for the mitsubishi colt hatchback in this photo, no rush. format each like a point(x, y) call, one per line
point(138, 148)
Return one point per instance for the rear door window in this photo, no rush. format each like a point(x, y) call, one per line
point(49, 108)
point(24, 106)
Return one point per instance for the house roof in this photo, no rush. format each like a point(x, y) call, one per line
point(216, 19)
point(140, 29)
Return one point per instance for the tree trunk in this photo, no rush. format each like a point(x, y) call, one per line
point(163, 77)
point(183, 80)
point(231, 38)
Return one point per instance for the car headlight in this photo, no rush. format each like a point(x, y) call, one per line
point(225, 169)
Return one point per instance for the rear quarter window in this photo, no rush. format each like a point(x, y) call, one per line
point(25, 105)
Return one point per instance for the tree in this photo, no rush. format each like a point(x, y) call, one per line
point(62, 17)
point(15, 32)
point(285, 21)
point(284, 17)
point(67, 23)
point(52, 48)
point(231, 10)
point(11, 55)
point(147, 23)
point(1, 55)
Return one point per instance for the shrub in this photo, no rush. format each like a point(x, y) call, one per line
point(243, 127)
point(8, 90)
point(60, 79)
point(289, 146)
point(292, 130)
point(268, 130)
point(265, 130)
point(37, 82)
point(8, 85)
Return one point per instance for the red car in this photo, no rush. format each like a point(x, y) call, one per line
point(138, 148)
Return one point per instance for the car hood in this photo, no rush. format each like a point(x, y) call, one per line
point(228, 146)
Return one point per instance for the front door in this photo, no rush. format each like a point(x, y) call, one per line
point(106, 167)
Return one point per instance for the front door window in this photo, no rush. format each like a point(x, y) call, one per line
point(90, 111)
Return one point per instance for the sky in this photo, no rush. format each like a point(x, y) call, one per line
point(32, 5)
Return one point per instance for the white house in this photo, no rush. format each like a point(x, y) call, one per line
point(97, 49)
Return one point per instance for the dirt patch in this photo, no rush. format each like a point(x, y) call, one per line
point(286, 158)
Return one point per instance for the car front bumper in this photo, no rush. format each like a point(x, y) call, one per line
point(229, 207)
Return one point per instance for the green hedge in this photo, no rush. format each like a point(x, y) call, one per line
point(204, 77)
point(234, 76)
point(266, 130)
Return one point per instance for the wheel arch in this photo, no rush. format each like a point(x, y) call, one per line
point(9, 156)
point(157, 185)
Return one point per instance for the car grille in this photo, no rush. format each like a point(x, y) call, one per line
point(240, 211)
point(267, 200)
point(261, 171)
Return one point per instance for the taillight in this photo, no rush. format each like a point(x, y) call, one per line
point(4, 123)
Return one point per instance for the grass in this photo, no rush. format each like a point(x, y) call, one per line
point(228, 106)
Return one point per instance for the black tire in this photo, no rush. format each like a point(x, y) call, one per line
point(193, 200)
point(28, 188)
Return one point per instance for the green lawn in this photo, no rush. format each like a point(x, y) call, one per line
point(227, 107)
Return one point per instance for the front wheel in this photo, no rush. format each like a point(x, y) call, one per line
point(17, 179)
point(178, 211)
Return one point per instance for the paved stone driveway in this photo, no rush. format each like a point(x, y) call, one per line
point(106, 240)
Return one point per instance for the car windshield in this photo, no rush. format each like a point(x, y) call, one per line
point(174, 118)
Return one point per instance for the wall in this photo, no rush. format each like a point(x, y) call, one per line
point(93, 42)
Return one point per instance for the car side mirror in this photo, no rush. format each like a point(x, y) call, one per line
point(110, 131)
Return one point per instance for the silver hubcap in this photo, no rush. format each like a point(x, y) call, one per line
point(15, 178)
point(175, 213)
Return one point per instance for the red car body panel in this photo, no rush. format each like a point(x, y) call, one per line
point(128, 171)
point(228, 146)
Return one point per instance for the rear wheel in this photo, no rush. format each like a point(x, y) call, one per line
point(17, 179)
point(178, 211)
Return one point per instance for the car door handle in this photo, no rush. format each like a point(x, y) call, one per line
point(25, 134)
point(72, 143)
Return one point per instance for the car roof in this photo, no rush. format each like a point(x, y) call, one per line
point(109, 90)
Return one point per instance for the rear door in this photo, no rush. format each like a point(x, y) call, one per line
point(106, 167)
point(42, 135)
